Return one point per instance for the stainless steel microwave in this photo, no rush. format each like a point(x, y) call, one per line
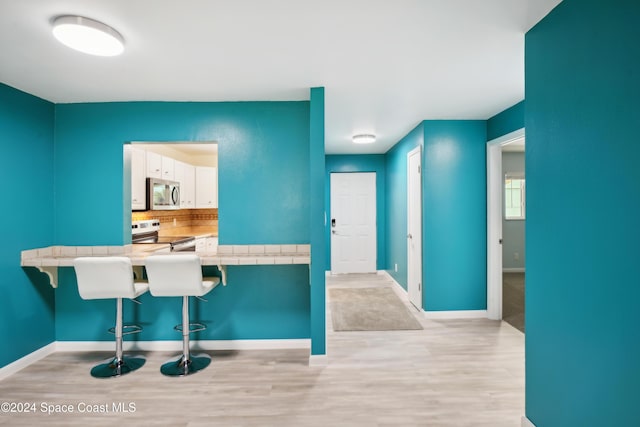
point(162, 195)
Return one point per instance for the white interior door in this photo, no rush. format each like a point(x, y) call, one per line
point(353, 222)
point(414, 228)
point(494, 231)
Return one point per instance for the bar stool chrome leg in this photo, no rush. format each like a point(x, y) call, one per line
point(119, 365)
point(186, 364)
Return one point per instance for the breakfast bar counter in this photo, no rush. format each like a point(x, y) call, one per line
point(48, 259)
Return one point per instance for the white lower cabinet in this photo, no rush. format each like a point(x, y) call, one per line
point(212, 245)
point(207, 244)
point(201, 244)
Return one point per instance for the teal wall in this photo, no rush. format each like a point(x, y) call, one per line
point(263, 151)
point(506, 121)
point(259, 302)
point(26, 167)
point(264, 198)
point(582, 118)
point(317, 218)
point(454, 209)
point(513, 230)
point(396, 203)
point(359, 163)
point(454, 212)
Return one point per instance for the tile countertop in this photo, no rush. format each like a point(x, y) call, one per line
point(48, 259)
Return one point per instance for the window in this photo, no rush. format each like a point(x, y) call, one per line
point(514, 197)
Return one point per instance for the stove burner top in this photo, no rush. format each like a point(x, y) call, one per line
point(147, 232)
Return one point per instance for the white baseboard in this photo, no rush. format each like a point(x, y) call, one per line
point(27, 360)
point(513, 270)
point(275, 344)
point(397, 287)
point(526, 423)
point(318, 360)
point(456, 314)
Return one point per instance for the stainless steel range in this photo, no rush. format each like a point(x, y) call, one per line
point(147, 231)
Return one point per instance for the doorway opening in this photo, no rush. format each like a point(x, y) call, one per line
point(190, 167)
point(505, 228)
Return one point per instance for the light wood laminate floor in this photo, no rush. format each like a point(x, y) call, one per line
point(452, 373)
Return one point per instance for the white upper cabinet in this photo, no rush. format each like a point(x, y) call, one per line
point(206, 187)
point(188, 189)
point(154, 165)
point(168, 168)
point(185, 175)
point(198, 184)
point(159, 166)
point(138, 179)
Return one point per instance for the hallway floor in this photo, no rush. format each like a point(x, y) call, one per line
point(513, 299)
point(452, 373)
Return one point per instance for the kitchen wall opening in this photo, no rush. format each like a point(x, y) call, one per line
point(175, 183)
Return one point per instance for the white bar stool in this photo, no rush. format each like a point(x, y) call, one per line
point(181, 275)
point(111, 277)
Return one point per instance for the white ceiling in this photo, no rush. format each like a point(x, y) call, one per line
point(385, 65)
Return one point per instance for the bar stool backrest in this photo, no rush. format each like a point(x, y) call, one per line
point(175, 275)
point(104, 277)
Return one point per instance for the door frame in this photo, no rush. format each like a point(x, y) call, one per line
point(375, 213)
point(494, 221)
point(418, 207)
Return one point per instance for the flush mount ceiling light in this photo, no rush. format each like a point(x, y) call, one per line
point(87, 36)
point(364, 138)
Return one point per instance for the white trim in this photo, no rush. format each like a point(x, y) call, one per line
point(494, 221)
point(510, 137)
point(318, 360)
point(456, 314)
point(526, 423)
point(513, 270)
point(275, 344)
point(27, 360)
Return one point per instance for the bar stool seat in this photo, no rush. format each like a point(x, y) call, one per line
point(181, 275)
point(105, 278)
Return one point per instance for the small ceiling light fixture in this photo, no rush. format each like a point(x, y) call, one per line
point(87, 36)
point(364, 138)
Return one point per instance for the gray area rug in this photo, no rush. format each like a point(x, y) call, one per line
point(369, 309)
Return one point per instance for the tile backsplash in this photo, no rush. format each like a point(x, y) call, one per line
point(182, 219)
